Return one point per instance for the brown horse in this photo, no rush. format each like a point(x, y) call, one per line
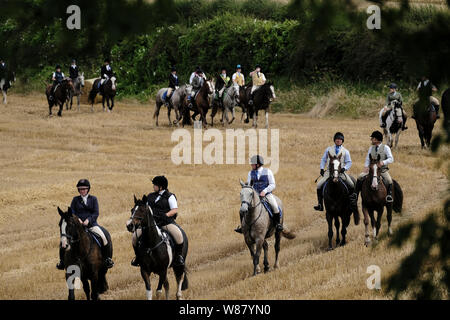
point(373, 196)
point(83, 254)
point(108, 92)
point(200, 105)
point(425, 116)
point(60, 95)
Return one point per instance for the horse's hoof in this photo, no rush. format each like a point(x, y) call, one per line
point(266, 269)
point(343, 243)
point(329, 248)
point(276, 266)
point(338, 243)
point(390, 232)
point(367, 243)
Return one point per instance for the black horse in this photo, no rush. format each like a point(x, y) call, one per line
point(262, 97)
point(107, 90)
point(425, 116)
point(83, 254)
point(154, 250)
point(337, 203)
point(445, 102)
point(60, 95)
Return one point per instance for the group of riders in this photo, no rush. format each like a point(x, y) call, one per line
point(106, 72)
point(222, 83)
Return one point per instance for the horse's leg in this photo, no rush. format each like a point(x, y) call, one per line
point(373, 222)
point(112, 103)
point(233, 116)
point(71, 290)
point(258, 243)
point(266, 260)
point(267, 118)
point(86, 288)
point(156, 114)
point(255, 119)
point(103, 102)
point(337, 224)
point(4, 97)
point(397, 135)
point(419, 128)
point(330, 231)
point(345, 223)
point(366, 226)
point(61, 106)
point(94, 287)
point(107, 104)
point(180, 279)
point(166, 288)
point(378, 224)
point(148, 289)
point(168, 115)
point(162, 280)
point(277, 248)
point(389, 218)
point(78, 102)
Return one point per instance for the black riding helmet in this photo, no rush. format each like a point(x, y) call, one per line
point(257, 159)
point(57, 67)
point(377, 135)
point(161, 182)
point(338, 135)
point(84, 183)
point(392, 86)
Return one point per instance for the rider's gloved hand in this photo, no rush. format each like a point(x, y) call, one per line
point(342, 170)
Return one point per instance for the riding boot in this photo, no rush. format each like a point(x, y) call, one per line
point(179, 260)
point(60, 264)
point(319, 207)
point(276, 222)
point(107, 255)
point(239, 228)
point(389, 193)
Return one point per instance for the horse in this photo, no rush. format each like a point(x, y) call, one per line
point(230, 99)
point(262, 97)
point(337, 203)
point(81, 250)
point(244, 95)
point(59, 96)
point(108, 93)
point(445, 102)
point(175, 102)
point(394, 123)
point(78, 83)
point(5, 84)
point(200, 104)
point(373, 196)
point(154, 250)
point(425, 116)
point(257, 226)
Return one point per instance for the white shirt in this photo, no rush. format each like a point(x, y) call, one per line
point(270, 176)
point(172, 200)
point(62, 73)
point(193, 76)
point(425, 83)
point(73, 66)
point(387, 150)
point(85, 199)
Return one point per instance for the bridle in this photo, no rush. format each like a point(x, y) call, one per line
point(249, 204)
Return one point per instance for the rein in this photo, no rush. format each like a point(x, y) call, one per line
point(250, 206)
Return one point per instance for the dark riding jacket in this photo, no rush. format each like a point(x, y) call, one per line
point(173, 81)
point(89, 211)
point(73, 72)
point(220, 83)
point(104, 71)
point(59, 77)
point(161, 207)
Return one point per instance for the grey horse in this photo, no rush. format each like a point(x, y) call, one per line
point(175, 103)
point(78, 84)
point(257, 226)
point(230, 100)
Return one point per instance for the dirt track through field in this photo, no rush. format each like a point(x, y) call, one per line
point(42, 158)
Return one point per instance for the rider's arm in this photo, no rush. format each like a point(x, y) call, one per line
point(390, 158)
point(95, 212)
point(323, 162)
point(173, 206)
point(271, 185)
point(347, 161)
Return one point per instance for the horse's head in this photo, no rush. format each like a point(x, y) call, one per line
point(188, 89)
point(272, 91)
point(335, 166)
point(139, 214)
point(397, 111)
point(81, 79)
point(67, 84)
point(374, 172)
point(69, 229)
point(113, 82)
point(211, 86)
point(247, 196)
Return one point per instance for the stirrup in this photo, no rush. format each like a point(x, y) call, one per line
point(250, 102)
point(389, 198)
point(179, 261)
point(60, 265)
point(319, 207)
point(135, 262)
point(279, 227)
point(109, 263)
point(238, 229)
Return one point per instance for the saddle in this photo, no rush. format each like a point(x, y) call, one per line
point(340, 180)
point(269, 209)
point(96, 238)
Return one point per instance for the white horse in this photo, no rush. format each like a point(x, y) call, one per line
point(5, 84)
point(78, 83)
point(394, 122)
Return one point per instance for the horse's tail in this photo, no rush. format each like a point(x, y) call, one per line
point(398, 197)
point(288, 234)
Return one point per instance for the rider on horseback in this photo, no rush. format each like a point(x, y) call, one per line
point(221, 83)
point(173, 85)
point(74, 70)
point(106, 73)
point(258, 79)
point(391, 97)
point(425, 90)
point(386, 158)
point(238, 78)
point(57, 78)
point(196, 80)
point(346, 164)
point(264, 183)
point(165, 208)
point(85, 207)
